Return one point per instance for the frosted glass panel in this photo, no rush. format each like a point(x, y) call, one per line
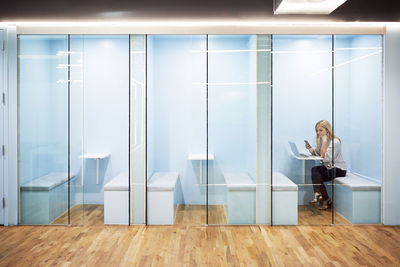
point(238, 92)
point(43, 127)
point(358, 111)
point(302, 96)
point(137, 129)
point(176, 129)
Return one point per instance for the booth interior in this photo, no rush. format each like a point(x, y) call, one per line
point(336, 78)
point(73, 124)
point(198, 126)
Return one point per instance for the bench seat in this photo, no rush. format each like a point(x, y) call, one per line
point(358, 199)
point(284, 200)
point(162, 197)
point(163, 182)
point(45, 198)
point(240, 204)
point(46, 182)
point(116, 200)
point(118, 183)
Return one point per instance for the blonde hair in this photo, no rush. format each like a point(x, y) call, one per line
point(327, 126)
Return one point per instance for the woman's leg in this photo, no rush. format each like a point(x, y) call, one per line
point(329, 175)
point(317, 177)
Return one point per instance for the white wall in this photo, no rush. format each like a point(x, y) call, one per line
point(391, 158)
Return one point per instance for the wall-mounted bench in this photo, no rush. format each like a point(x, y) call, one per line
point(241, 199)
point(44, 199)
point(284, 200)
point(116, 200)
point(162, 197)
point(358, 199)
point(240, 205)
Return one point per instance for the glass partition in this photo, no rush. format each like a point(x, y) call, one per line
point(184, 122)
point(238, 94)
point(106, 129)
point(358, 111)
point(176, 129)
point(74, 129)
point(138, 129)
point(76, 125)
point(43, 128)
point(302, 96)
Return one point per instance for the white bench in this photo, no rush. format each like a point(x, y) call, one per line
point(116, 200)
point(162, 198)
point(284, 200)
point(44, 199)
point(241, 199)
point(358, 199)
point(240, 205)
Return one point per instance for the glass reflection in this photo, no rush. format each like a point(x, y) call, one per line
point(238, 94)
point(43, 127)
point(302, 96)
point(358, 110)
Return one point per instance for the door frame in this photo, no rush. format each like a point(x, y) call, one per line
point(2, 125)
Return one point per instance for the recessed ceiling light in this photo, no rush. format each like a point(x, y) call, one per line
point(306, 6)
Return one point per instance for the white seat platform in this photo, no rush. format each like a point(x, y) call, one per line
point(284, 200)
point(241, 199)
point(45, 198)
point(162, 198)
point(358, 199)
point(240, 204)
point(116, 200)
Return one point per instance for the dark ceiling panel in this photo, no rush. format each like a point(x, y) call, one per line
point(352, 10)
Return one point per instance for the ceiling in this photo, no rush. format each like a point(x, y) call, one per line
point(352, 10)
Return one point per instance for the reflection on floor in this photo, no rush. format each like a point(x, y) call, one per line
point(196, 215)
point(93, 215)
point(311, 215)
point(87, 214)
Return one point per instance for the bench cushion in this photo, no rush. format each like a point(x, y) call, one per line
point(162, 181)
point(357, 183)
point(239, 182)
point(118, 183)
point(280, 182)
point(46, 182)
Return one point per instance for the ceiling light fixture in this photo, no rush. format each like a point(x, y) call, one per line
point(306, 6)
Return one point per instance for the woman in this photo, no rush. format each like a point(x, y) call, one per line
point(333, 166)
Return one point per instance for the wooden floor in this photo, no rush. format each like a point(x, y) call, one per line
point(196, 215)
point(311, 215)
point(88, 214)
point(192, 215)
point(199, 246)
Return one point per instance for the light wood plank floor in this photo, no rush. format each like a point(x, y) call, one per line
point(199, 246)
point(87, 214)
point(196, 215)
point(311, 215)
point(190, 215)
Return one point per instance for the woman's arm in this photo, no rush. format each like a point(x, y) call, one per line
point(324, 146)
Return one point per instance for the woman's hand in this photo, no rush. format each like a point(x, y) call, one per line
point(309, 148)
point(324, 139)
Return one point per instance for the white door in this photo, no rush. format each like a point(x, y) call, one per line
point(2, 126)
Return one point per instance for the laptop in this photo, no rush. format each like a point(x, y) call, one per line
point(296, 151)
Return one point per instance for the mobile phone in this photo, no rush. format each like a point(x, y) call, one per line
point(307, 143)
